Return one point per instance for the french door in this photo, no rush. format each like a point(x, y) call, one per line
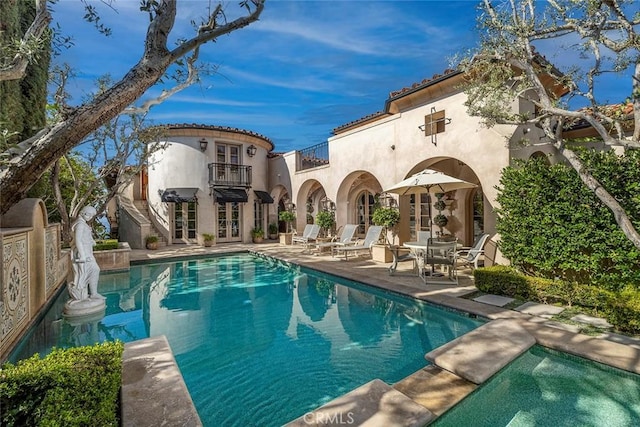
point(229, 224)
point(419, 219)
point(228, 155)
point(364, 211)
point(185, 223)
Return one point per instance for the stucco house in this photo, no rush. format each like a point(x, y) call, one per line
point(226, 181)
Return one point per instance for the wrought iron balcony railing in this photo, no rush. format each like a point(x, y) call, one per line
point(229, 175)
point(312, 157)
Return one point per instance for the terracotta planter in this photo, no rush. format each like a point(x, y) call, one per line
point(208, 243)
point(258, 239)
point(152, 246)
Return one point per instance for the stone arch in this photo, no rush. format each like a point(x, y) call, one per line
point(281, 197)
point(460, 208)
point(541, 155)
point(354, 186)
point(308, 202)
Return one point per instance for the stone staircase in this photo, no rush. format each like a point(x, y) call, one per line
point(143, 207)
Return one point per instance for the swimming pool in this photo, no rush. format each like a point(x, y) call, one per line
point(548, 388)
point(260, 342)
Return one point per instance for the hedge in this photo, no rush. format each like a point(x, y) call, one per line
point(622, 309)
point(69, 387)
point(106, 245)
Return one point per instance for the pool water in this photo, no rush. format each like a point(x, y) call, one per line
point(258, 341)
point(548, 388)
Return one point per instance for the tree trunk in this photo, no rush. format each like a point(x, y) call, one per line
point(35, 155)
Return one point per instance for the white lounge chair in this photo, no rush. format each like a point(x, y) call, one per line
point(308, 235)
point(305, 233)
point(373, 235)
point(471, 255)
point(346, 238)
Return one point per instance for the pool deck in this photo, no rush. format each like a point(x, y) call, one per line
point(454, 373)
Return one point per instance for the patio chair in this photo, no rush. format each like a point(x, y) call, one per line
point(345, 238)
point(401, 254)
point(309, 237)
point(373, 235)
point(469, 256)
point(444, 255)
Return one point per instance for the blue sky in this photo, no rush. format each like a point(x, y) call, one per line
point(305, 68)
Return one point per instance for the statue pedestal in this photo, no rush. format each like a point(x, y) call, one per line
point(85, 307)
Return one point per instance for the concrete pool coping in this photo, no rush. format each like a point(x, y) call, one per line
point(433, 387)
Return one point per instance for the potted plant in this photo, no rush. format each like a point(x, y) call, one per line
point(273, 231)
point(208, 239)
point(288, 217)
point(326, 220)
point(152, 242)
point(257, 234)
point(389, 219)
point(441, 221)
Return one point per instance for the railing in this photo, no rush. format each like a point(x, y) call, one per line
point(312, 157)
point(230, 175)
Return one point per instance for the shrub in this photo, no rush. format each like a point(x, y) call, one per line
point(152, 239)
point(622, 309)
point(208, 237)
point(69, 387)
point(257, 232)
point(288, 217)
point(552, 226)
point(273, 228)
point(325, 220)
point(106, 245)
point(386, 217)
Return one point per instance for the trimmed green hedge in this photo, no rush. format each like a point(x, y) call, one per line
point(622, 309)
point(106, 245)
point(69, 387)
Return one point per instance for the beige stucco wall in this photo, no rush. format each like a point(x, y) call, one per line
point(393, 148)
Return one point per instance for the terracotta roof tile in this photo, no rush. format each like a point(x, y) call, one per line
point(218, 128)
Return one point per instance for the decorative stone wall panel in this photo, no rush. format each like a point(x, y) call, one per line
point(14, 302)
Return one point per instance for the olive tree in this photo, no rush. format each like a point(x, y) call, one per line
point(25, 162)
point(605, 35)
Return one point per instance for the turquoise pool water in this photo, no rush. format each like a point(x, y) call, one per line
point(547, 388)
point(259, 342)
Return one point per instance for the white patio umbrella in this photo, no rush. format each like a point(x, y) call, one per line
point(425, 181)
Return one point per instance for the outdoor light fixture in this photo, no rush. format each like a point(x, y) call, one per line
point(203, 144)
point(251, 150)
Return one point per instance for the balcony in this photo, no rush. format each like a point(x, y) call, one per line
point(229, 175)
point(312, 157)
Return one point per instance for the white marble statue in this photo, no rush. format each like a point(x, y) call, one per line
point(84, 288)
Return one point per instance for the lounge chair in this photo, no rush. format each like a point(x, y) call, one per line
point(308, 235)
point(345, 238)
point(471, 255)
point(373, 235)
point(305, 233)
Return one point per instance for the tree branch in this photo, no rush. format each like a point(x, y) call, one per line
point(21, 60)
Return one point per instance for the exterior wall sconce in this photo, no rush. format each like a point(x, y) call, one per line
point(203, 144)
point(251, 150)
